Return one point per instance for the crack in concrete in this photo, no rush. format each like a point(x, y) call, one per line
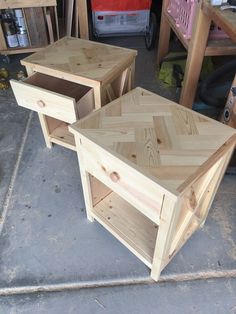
point(14, 174)
point(63, 287)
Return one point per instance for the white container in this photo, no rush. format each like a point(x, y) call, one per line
point(12, 41)
point(120, 22)
point(19, 19)
point(23, 39)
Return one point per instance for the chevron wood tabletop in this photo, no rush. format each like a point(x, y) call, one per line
point(81, 59)
point(160, 138)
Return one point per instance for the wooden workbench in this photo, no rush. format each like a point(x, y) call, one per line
point(198, 46)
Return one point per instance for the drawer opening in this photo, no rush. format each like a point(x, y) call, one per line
point(137, 232)
point(58, 85)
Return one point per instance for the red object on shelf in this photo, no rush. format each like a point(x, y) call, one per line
point(120, 5)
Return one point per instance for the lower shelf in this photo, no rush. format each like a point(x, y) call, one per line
point(128, 225)
point(61, 136)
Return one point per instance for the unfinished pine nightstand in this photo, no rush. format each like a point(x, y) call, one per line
point(150, 169)
point(70, 78)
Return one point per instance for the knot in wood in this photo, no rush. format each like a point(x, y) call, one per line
point(193, 200)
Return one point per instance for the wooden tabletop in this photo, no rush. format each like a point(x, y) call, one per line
point(226, 19)
point(161, 139)
point(78, 59)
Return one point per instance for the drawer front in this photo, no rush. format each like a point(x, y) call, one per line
point(43, 101)
point(130, 184)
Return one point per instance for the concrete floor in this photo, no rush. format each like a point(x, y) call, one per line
point(54, 261)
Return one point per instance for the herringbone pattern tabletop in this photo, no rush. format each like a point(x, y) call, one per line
point(160, 137)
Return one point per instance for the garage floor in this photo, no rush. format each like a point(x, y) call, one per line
point(54, 261)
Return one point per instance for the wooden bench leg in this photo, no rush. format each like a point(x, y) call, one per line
point(195, 57)
point(164, 37)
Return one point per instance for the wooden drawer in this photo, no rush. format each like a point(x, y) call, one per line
point(54, 97)
point(122, 179)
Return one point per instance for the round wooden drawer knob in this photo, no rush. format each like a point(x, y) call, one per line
point(114, 177)
point(41, 103)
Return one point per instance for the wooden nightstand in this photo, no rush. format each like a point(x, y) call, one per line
point(150, 169)
point(69, 79)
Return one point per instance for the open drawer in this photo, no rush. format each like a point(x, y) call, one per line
point(54, 97)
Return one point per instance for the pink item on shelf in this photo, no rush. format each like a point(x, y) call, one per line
point(183, 12)
point(187, 12)
point(173, 8)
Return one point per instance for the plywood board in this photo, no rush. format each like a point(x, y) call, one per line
point(36, 26)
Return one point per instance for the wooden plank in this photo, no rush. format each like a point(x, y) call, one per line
point(47, 14)
point(12, 51)
point(169, 214)
point(76, 20)
point(129, 226)
point(208, 163)
point(195, 58)
point(110, 93)
point(164, 35)
point(69, 16)
point(36, 26)
point(214, 185)
point(45, 130)
point(220, 47)
point(14, 4)
point(85, 180)
point(99, 190)
point(56, 22)
point(3, 45)
point(82, 15)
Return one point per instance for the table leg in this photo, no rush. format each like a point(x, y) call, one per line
point(195, 57)
point(85, 180)
point(132, 76)
point(168, 220)
point(45, 130)
point(99, 96)
point(164, 36)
